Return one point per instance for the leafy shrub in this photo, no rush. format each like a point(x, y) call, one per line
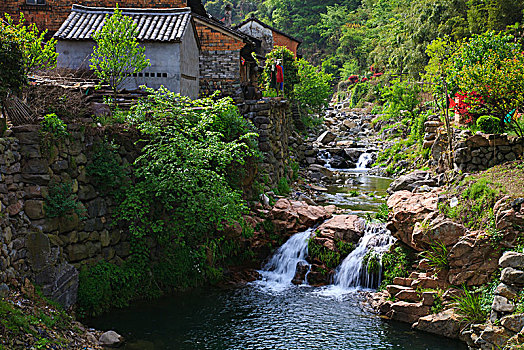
point(313, 89)
point(372, 261)
point(329, 257)
point(105, 169)
point(383, 213)
point(283, 188)
point(61, 202)
point(396, 263)
point(489, 124)
point(54, 126)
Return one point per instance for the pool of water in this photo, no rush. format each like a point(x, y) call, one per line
point(255, 317)
point(360, 194)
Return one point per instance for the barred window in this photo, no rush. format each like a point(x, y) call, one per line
point(35, 2)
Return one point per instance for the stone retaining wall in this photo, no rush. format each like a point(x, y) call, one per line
point(277, 140)
point(49, 251)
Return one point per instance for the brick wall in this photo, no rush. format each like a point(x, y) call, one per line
point(53, 14)
point(213, 40)
point(281, 40)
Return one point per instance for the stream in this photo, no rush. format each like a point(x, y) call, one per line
point(272, 313)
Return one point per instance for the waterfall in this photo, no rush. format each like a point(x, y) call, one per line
point(280, 270)
point(353, 272)
point(364, 160)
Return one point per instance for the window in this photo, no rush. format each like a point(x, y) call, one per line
point(35, 2)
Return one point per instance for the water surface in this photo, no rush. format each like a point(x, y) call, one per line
point(255, 317)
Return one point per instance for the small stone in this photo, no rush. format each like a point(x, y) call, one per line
point(513, 322)
point(512, 276)
point(501, 304)
point(512, 259)
point(506, 291)
point(4, 289)
point(111, 339)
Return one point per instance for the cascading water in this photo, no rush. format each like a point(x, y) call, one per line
point(364, 160)
point(280, 270)
point(353, 272)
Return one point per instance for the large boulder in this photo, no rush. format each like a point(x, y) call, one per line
point(348, 228)
point(291, 216)
point(440, 229)
point(446, 323)
point(326, 137)
point(412, 181)
point(406, 209)
point(472, 260)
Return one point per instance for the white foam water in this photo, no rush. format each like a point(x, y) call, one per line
point(280, 270)
point(364, 160)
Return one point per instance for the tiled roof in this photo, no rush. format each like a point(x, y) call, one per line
point(254, 19)
point(152, 24)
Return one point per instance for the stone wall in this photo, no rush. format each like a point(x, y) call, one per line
point(277, 140)
point(50, 251)
point(471, 152)
point(46, 250)
point(482, 151)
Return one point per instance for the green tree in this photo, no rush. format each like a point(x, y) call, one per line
point(314, 87)
point(290, 69)
point(118, 53)
point(12, 76)
point(38, 53)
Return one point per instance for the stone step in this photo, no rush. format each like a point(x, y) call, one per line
point(408, 295)
point(428, 298)
point(427, 283)
point(402, 281)
point(408, 312)
point(415, 275)
point(394, 289)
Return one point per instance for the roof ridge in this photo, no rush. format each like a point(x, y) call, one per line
point(133, 10)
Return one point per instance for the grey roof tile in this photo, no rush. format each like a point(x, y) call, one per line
point(152, 24)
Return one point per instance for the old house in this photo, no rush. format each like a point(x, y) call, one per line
point(50, 14)
point(168, 35)
point(226, 61)
point(269, 36)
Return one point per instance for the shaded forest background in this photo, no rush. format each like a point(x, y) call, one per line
point(348, 36)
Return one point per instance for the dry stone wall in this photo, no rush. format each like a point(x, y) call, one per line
point(50, 251)
point(46, 250)
point(277, 140)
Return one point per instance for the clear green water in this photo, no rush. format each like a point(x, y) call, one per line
point(255, 318)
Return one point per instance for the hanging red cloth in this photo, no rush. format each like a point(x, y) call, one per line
point(280, 74)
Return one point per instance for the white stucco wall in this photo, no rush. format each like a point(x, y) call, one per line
point(165, 59)
point(189, 65)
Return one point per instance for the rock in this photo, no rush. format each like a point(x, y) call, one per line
point(441, 229)
point(510, 276)
point(4, 289)
point(427, 283)
point(321, 169)
point(446, 323)
point(408, 312)
point(428, 298)
point(413, 180)
point(407, 295)
point(405, 210)
point(512, 259)
point(501, 304)
point(300, 273)
point(111, 339)
point(293, 216)
point(339, 163)
point(493, 337)
point(394, 289)
point(402, 281)
point(342, 227)
point(513, 322)
point(326, 137)
point(34, 209)
point(505, 291)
